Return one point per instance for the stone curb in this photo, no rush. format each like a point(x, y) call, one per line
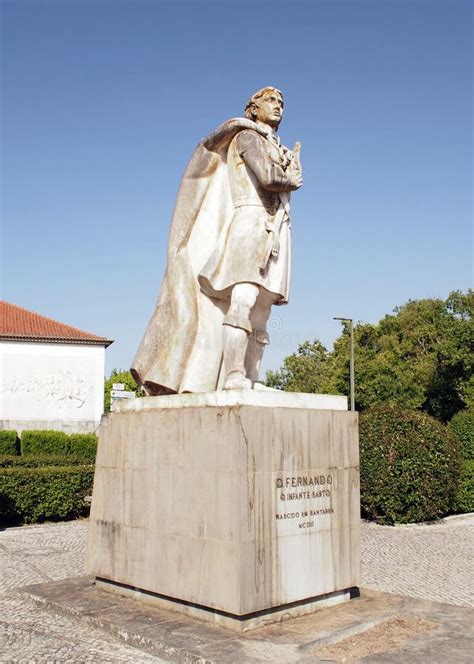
point(457, 519)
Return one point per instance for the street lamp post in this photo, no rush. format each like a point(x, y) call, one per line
point(352, 379)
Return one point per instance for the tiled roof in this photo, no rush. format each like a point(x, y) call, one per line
point(19, 324)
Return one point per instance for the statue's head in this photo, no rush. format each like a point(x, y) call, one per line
point(266, 105)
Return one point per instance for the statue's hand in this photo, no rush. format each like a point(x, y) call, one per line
point(294, 170)
point(295, 178)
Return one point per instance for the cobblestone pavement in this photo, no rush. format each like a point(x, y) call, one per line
point(428, 561)
point(432, 561)
point(35, 554)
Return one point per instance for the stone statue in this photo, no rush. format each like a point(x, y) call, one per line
point(229, 258)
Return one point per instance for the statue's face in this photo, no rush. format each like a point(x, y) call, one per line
point(269, 109)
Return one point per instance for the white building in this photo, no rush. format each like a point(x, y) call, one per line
point(51, 374)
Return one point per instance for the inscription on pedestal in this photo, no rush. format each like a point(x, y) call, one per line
point(303, 502)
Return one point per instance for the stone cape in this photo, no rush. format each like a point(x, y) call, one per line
point(181, 350)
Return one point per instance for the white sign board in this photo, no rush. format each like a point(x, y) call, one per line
point(118, 386)
point(122, 394)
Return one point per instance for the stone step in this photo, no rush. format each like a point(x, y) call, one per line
point(380, 626)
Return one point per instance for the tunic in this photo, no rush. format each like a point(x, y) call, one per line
point(255, 246)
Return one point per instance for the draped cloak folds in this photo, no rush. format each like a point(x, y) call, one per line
point(181, 350)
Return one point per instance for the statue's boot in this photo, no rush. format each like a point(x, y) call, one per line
point(253, 358)
point(235, 348)
point(264, 388)
point(236, 380)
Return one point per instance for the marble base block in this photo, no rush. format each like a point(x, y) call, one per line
point(227, 510)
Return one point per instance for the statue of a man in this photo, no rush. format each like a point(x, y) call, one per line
point(229, 256)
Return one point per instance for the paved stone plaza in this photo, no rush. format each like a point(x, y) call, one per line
point(429, 561)
point(27, 632)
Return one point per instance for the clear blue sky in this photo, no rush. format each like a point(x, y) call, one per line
point(104, 101)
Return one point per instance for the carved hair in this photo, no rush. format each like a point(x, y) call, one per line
point(254, 100)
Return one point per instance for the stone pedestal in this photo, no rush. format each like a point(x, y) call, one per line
point(238, 507)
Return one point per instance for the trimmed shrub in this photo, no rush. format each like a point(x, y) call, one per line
point(9, 442)
point(83, 445)
point(44, 442)
point(410, 466)
point(33, 495)
point(41, 460)
point(462, 426)
point(80, 445)
point(465, 492)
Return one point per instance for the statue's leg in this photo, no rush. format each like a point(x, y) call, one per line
point(237, 327)
point(259, 336)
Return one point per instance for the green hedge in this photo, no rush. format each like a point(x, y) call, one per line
point(465, 491)
point(83, 444)
point(41, 460)
point(45, 441)
point(9, 442)
point(59, 443)
point(410, 466)
point(33, 495)
point(462, 427)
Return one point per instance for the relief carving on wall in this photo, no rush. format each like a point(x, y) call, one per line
point(67, 390)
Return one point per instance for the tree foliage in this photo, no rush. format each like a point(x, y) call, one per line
point(419, 357)
point(302, 371)
point(119, 376)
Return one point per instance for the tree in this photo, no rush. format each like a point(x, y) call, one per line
point(381, 373)
point(452, 383)
point(302, 371)
point(119, 376)
point(419, 357)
